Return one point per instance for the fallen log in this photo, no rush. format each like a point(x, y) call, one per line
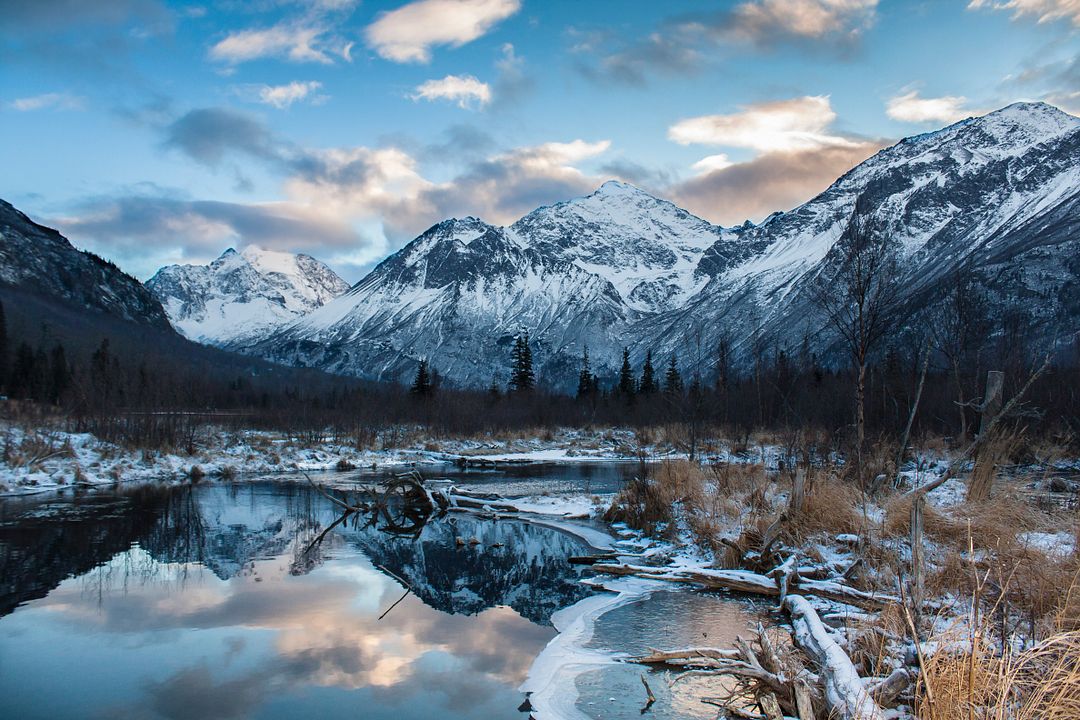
point(846, 693)
point(886, 690)
point(686, 656)
point(752, 583)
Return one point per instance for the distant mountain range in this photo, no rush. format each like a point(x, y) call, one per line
point(996, 197)
point(243, 296)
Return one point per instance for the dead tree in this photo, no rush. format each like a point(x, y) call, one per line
point(857, 293)
point(959, 325)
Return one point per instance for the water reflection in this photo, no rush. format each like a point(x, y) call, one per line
point(665, 620)
point(214, 602)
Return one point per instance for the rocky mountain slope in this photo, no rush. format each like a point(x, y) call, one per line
point(997, 197)
point(243, 295)
point(39, 261)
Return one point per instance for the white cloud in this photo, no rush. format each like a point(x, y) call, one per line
point(909, 107)
point(556, 155)
point(408, 33)
point(769, 182)
point(298, 42)
point(465, 90)
point(282, 96)
point(59, 101)
point(1043, 10)
point(712, 163)
point(783, 125)
point(759, 19)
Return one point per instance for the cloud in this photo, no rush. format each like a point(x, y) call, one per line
point(506, 186)
point(712, 163)
point(408, 33)
point(773, 181)
point(55, 101)
point(208, 135)
point(668, 52)
point(783, 125)
point(465, 90)
point(911, 108)
point(296, 41)
point(282, 96)
point(512, 83)
point(150, 231)
point(57, 15)
point(765, 22)
point(688, 44)
point(1043, 10)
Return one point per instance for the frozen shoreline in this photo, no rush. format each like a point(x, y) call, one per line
point(39, 460)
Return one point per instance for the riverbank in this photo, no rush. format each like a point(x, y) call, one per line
point(42, 458)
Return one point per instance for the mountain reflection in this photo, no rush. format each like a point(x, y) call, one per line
point(214, 602)
point(227, 528)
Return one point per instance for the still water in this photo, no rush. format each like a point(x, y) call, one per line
point(232, 600)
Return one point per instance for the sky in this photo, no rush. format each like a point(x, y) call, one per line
point(155, 132)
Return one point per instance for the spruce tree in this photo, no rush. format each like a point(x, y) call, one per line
point(60, 375)
point(421, 386)
point(648, 376)
point(672, 379)
point(3, 350)
point(522, 378)
point(585, 377)
point(21, 382)
point(626, 375)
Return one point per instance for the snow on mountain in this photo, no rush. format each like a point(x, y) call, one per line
point(997, 196)
point(243, 295)
point(40, 261)
point(647, 248)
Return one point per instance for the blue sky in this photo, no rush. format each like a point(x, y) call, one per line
point(154, 132)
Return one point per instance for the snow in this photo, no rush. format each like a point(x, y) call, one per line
point(551, 680)
point(1059, 544)
point(246, 295)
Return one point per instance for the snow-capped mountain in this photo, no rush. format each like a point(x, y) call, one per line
point(243, 295)
point(579, 271)
point(998, 196)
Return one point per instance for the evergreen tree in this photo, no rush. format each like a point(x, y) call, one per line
point(522, 378)
point(39, 387)
point(60, 375)
point(100, 371)
point(3, 349)
point(494, 391)
point(626, 375)
point(648, 376)
point(672, 379)
point(723, 363)
point(585, 377)
point(421, 386)
point(23, 370)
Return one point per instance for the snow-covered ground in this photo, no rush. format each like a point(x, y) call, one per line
point(33, 460)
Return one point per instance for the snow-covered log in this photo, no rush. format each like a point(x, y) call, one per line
point(846, 693)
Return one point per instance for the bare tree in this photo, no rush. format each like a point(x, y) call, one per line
point(960, 326)
point(857, 293)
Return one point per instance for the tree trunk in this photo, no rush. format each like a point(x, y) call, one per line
point(917, 565)
point(860, 422)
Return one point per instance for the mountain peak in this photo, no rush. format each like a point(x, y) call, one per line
point(243, 294)
point(617, 187)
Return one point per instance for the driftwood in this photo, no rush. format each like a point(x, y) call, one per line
point(753, 583)
point(846, 694)
point(985, 432)
point(886, 690)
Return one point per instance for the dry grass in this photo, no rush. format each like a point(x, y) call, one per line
point(980, 681)
point(832, 506)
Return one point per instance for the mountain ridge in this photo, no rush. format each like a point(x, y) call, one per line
point(243, 295)
point(992, 196)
